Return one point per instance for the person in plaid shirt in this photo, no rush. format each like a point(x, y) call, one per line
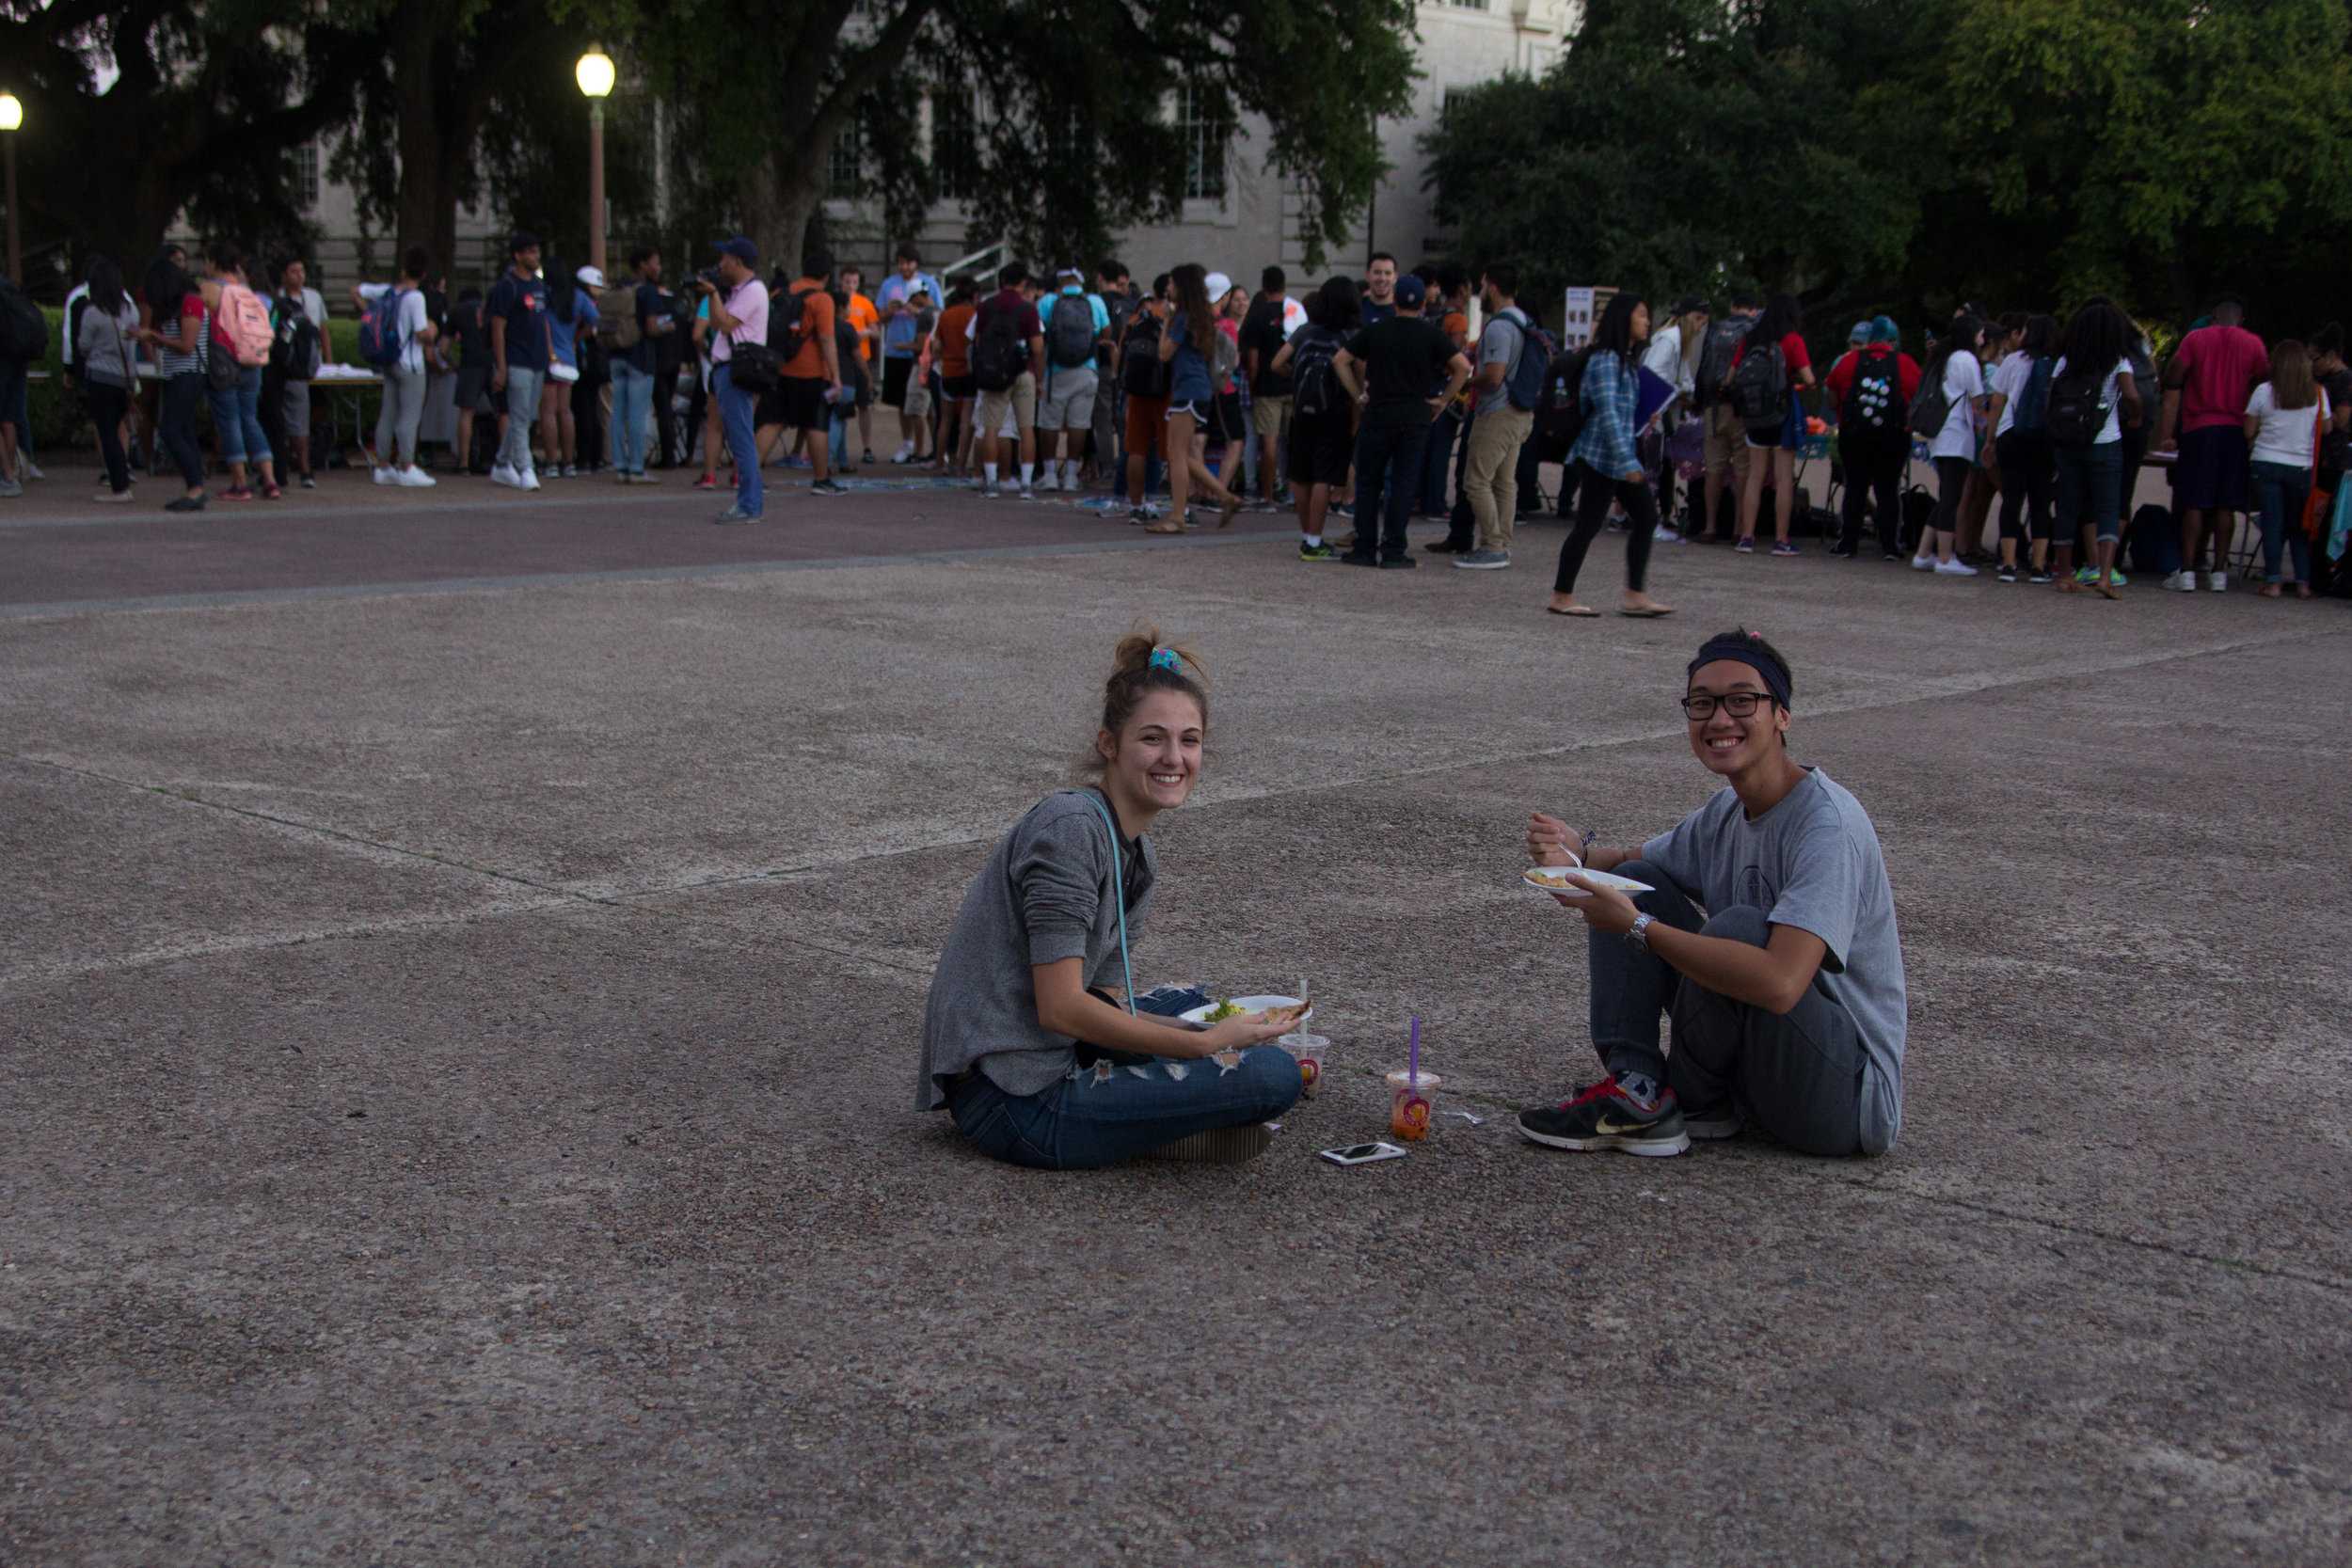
point(1605, 465)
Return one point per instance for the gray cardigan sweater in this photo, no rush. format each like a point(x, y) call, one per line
point(1047, 893)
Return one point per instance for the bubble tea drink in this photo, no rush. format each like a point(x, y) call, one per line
point(1411, 1101)
point(1310, 1051)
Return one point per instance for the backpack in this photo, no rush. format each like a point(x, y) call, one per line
point(244, 322)
point(294, 350)
point(2033, 402)
point(1933, 405)
point(1315, 390)
point(1872, 399)
point(2075, 414)
point(23, 330)
point(1069, 332)
point(787, 324)
point(1723, 341)
point(998, 354)
point(1525, 390)
point(2152, 542)
point(380, 341)
point(617, 328)
point(1143, 374)
point(1559, 412)
point(1759, 387)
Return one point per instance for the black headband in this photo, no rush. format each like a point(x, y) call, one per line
point(1748, 649)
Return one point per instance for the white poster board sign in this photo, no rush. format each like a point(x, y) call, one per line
point(1576, 321)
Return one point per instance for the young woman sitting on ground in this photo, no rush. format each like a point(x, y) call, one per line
point(1023, 1041)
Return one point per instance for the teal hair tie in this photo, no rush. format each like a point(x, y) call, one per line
point(1165, 658)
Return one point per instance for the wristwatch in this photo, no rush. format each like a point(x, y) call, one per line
point(1638, 933)
point(1585, 846)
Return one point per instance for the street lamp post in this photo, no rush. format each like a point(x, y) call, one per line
point(11, 119)
point(595, 75)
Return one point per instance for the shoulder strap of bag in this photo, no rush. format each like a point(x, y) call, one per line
point(1119, 893)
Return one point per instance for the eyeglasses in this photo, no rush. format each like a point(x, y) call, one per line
point(1740, 704)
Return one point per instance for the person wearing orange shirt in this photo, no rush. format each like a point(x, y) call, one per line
point(866, 323)
point(955, 386)
point(810, 379)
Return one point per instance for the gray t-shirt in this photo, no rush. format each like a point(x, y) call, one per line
point(1812, 862)
point(1045, 895)
point(1503, 343)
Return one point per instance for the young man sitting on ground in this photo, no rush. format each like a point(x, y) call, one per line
point(1787, 994)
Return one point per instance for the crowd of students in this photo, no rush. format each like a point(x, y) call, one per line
point(1381, 397)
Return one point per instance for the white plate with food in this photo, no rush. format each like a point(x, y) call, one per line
point(1216, 1012)
point(1552, 882)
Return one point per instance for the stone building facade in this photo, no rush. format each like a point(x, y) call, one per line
point(1239, 216)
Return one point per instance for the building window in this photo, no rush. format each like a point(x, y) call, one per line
point(841, 165)
point(306, 175)
point(1468, 5)
point(955, 141)
point(1201, 121)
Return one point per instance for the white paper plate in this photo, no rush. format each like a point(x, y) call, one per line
point(1248, 1005)
point(1609, 880)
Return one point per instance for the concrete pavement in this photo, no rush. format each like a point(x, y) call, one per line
point(459, 1030)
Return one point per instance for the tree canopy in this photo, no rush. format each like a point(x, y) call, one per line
point(1905, 156)
point(1052, 121)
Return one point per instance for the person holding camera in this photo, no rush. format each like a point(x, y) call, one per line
point(739, 316)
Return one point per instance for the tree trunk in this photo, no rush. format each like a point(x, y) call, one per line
point(778, 198)
point(420, 134)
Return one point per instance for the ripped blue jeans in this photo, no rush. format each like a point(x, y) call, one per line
point(1116, 1106)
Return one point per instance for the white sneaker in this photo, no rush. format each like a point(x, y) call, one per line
point(1923, 564)
point(1027, 493)
point(383, 476)
point(2217, 581)
point(2181, 582)
point(32, 469)
point(413, 479)
point(1047, 482)
point(527, 479)
point(1667, 536)
point(502, 474)
point(1954, 569)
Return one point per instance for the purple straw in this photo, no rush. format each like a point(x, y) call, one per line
point(1413, 1057)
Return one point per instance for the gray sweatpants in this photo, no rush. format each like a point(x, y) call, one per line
point(522, 413)
point(403, 406)
point(1797, 1075)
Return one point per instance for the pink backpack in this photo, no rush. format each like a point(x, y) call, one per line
point(244, 322)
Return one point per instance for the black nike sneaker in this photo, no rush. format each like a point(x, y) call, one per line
point(1605, 1116)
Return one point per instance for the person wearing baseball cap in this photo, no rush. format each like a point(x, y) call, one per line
point(1787, 994)
point(1389, 368)
point(738, 314)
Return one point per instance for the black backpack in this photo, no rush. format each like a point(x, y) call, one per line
point(1931, 406)
point(788, 323)
point(1142, 373)
point(1315, 387)
point(2033, 400)
point(1069, 332)
point(1759, 387)
point(1874, 399)
point(1723, 341)
point(23, 330)
point(294, 350)
point(1559, 412)
point(998, 354)
point(2075, 414)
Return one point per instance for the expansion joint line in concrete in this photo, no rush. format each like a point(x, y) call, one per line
point(551, 895)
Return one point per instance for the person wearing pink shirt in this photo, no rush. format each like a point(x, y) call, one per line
point(2212, 375)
